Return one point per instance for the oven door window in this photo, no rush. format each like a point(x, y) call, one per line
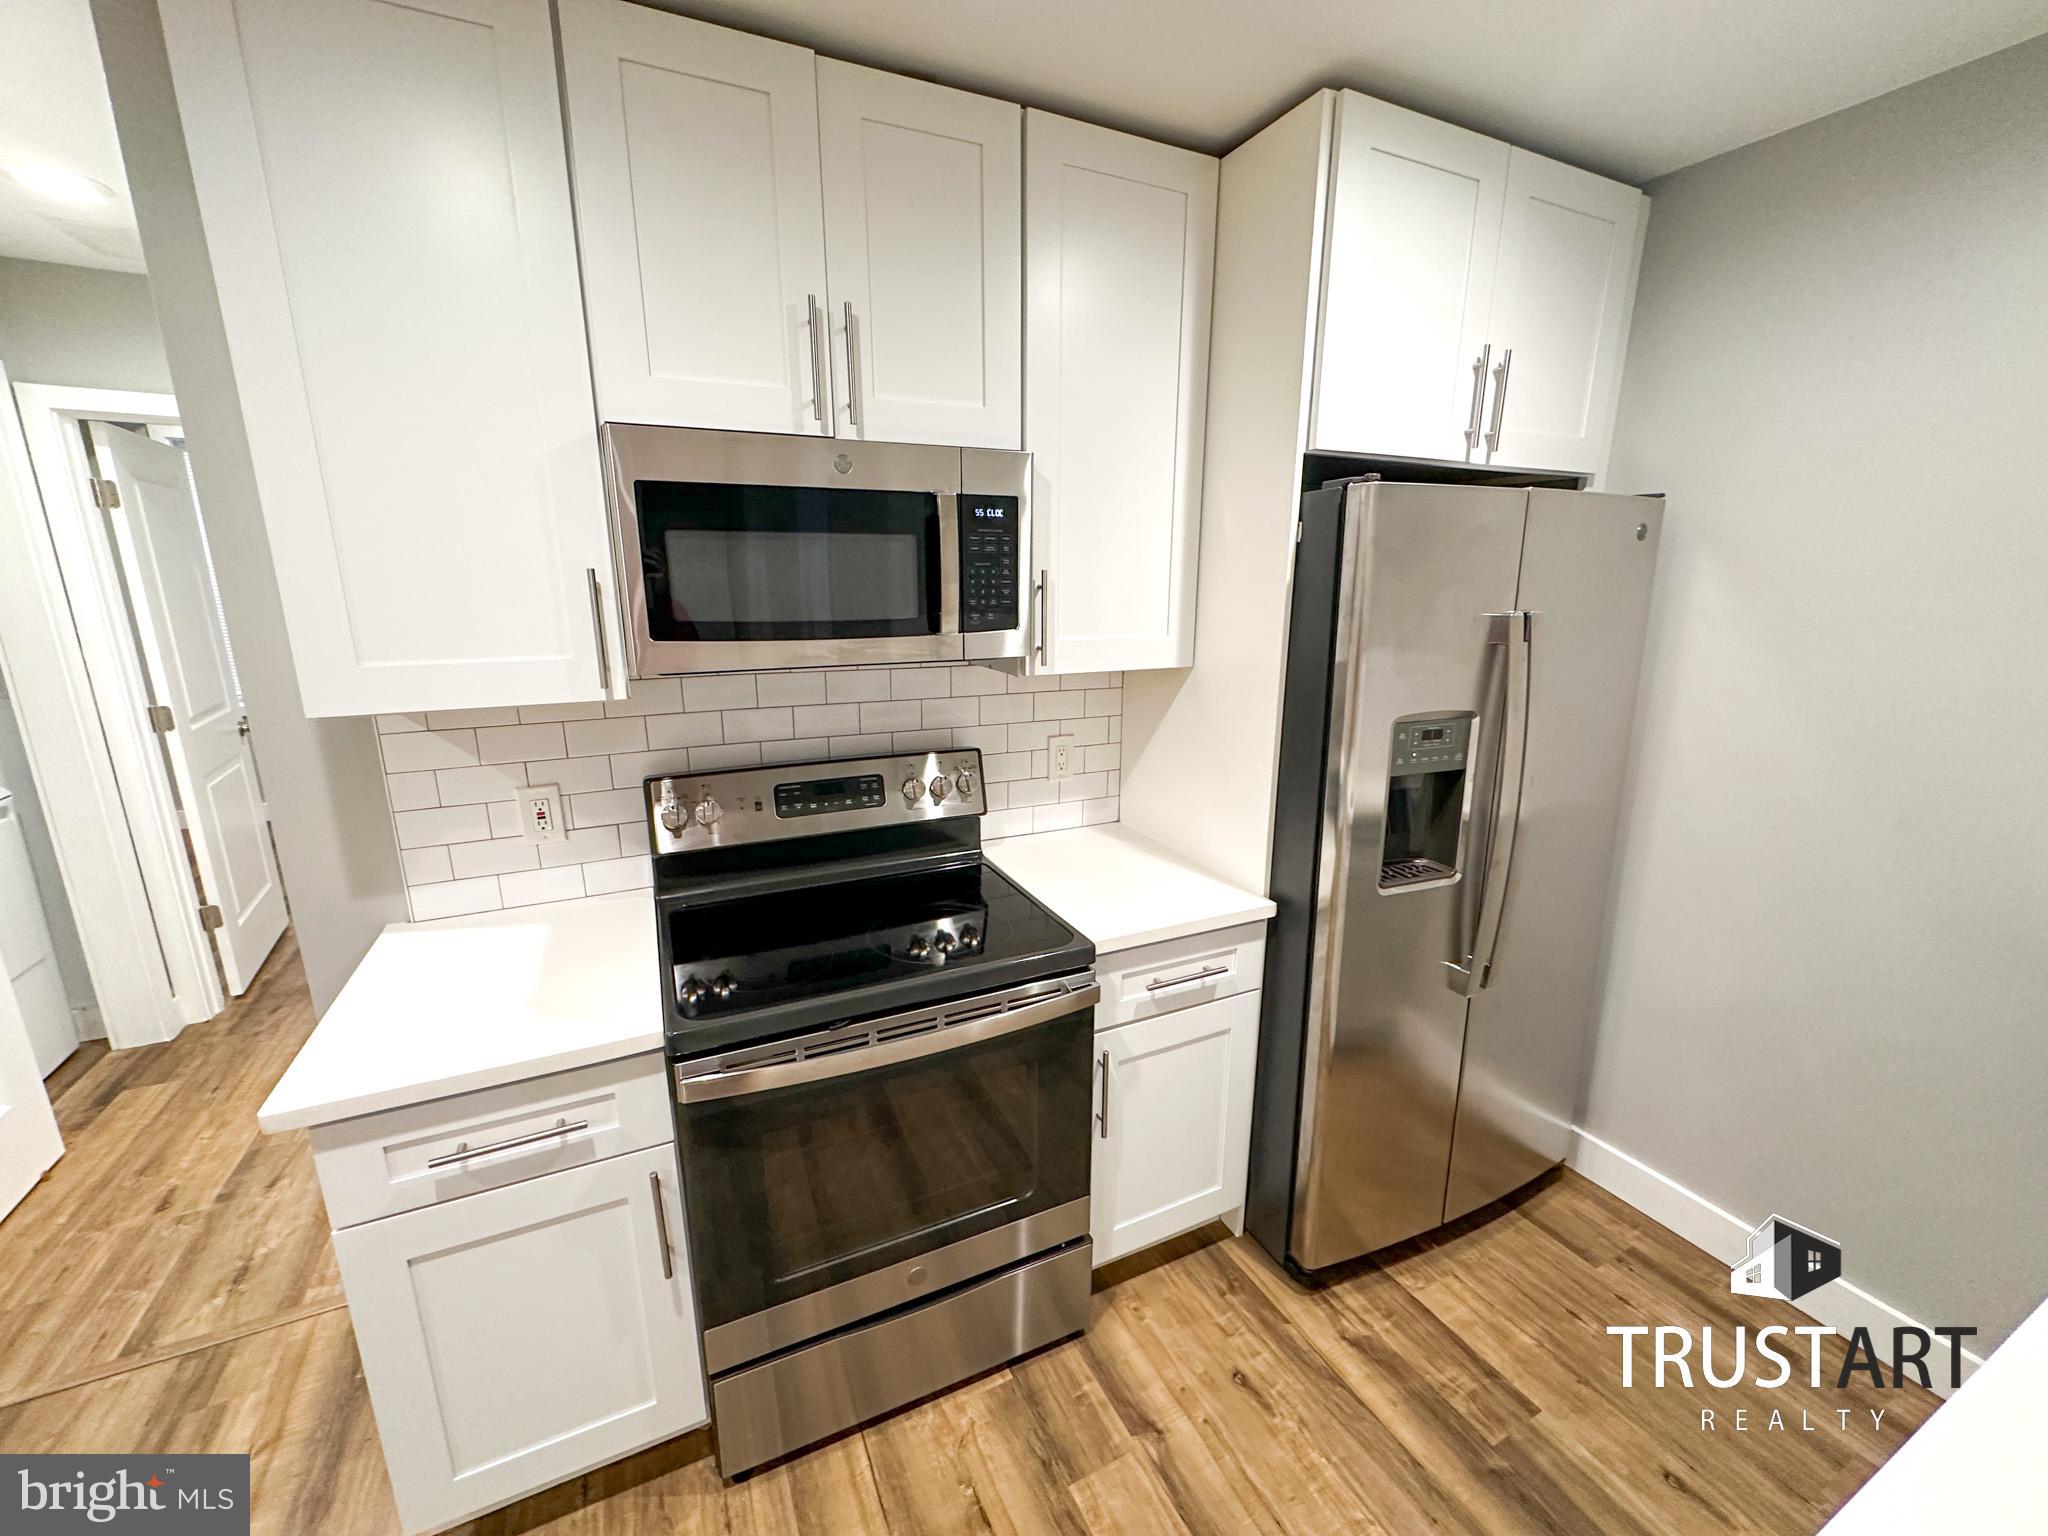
point(792, 1190)
point(771, 562)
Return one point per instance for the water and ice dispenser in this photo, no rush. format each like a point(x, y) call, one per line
point(1425, 801)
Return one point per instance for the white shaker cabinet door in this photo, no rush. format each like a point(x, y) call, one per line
point(524, 1335)
point(695, 150)
point(924, 253)
point(1173, 1123)
point(1408, 273)
point(385, 192)
point(1570, 245)
point(1121, 237)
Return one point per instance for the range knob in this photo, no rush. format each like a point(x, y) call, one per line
point(693, 991)
point(940, 788)
point(968, 936)
point(724, 986)
point(708, 812)
point(944, 942)
point(964, 782)
point(913, 789)
point(673, 816)
point(919, 947)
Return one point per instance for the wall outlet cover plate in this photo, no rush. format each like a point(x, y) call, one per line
point(542, 817)
point(1063, 757)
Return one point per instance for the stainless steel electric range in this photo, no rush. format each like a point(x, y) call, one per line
point(882, 1058)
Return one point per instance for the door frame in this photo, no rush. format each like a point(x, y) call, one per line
point(76, 676)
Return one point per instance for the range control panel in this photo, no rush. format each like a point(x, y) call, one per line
point(1431, 746)
point(989, 558)
point(690, 812)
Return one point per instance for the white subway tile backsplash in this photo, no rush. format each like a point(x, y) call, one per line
point(593, 738)
point(516, 743)
point(477, 786)
point(498, 856)
point(451, 775)
point(454, 824)
point(412, 791)
point(535, 886)
point(734, 690)
point(418, 750)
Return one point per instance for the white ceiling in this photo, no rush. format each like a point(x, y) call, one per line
point(54, 110)
point(1631, 88)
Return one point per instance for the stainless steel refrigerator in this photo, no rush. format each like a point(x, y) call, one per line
point(1461, 680)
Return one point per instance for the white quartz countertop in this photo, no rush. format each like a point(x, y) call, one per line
point(1120, 889)
point(470, 1002)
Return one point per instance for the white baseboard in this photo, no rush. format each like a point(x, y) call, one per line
point(1838, 1304)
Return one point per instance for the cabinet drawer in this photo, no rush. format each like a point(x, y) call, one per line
point(1178, 973)
point(402, 1159)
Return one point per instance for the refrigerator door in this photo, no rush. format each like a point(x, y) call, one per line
point(1423, 567)
point(1585, 583)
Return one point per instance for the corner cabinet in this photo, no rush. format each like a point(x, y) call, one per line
point(776, 242)
point(385, 195)
point(1119, 258)
point(1475, 297)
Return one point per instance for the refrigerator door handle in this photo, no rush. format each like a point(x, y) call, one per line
point(1513, 631)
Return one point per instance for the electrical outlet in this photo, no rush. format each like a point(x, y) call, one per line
point(1064, 756)
point(540, 814)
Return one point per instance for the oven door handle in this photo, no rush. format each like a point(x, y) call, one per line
point(744, 1080)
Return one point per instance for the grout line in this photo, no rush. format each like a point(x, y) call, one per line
point(171, 1352)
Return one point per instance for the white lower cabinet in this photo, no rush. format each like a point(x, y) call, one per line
point(1173, 1122)
point(526, 1334)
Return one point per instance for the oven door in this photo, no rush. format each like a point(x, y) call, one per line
point(829, 1189)
point(749, 551)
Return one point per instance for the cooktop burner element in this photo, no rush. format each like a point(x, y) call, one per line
point(789, 897)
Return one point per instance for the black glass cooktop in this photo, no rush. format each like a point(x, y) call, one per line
point(745, 968)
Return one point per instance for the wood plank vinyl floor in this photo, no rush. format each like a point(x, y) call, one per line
point(169, 1287)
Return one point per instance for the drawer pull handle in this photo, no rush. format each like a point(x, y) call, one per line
point(464, 1151)
point(1190, 979)
point(668, 1254)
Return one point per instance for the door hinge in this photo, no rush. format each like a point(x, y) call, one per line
point(210, 918)
point(106, 494)
point(160, 717)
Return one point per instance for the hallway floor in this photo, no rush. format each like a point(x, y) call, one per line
point(169, 1287)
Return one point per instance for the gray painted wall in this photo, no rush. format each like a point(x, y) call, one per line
point(1827, 993)
point(79, 325)
point(323, 778)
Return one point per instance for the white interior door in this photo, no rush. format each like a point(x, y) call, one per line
point(924, 236)
point(163, 555)
point(1569, 245)
point(28, 1130)
point(1414, 234)
point(695, 155)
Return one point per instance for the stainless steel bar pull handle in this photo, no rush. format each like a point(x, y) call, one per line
point(813, 320)
point(1512, 630)
point(604, 651)
point(1188, 980)
point(854, 407)
point(1500, 401)
point(668, 1252)
point(1473, 434)
point(464, 1151)
point(1039, 593)
point(1102, 1114)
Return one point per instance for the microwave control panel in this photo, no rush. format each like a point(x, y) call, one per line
point(989, 559)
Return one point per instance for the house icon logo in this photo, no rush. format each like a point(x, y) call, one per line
point(1786, 1260)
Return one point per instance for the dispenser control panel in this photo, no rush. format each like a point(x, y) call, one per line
point(1431, 746)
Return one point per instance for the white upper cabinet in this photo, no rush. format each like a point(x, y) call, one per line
point(386, 202)
point(695, 150)
point(1408, 278)
point(1475, 297)
point(1569, 247)
point(923, 244)
point(1121, 239)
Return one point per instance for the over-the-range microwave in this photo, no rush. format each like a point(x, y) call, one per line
point(745, 550)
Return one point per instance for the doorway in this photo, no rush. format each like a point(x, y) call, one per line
point(163, 845)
